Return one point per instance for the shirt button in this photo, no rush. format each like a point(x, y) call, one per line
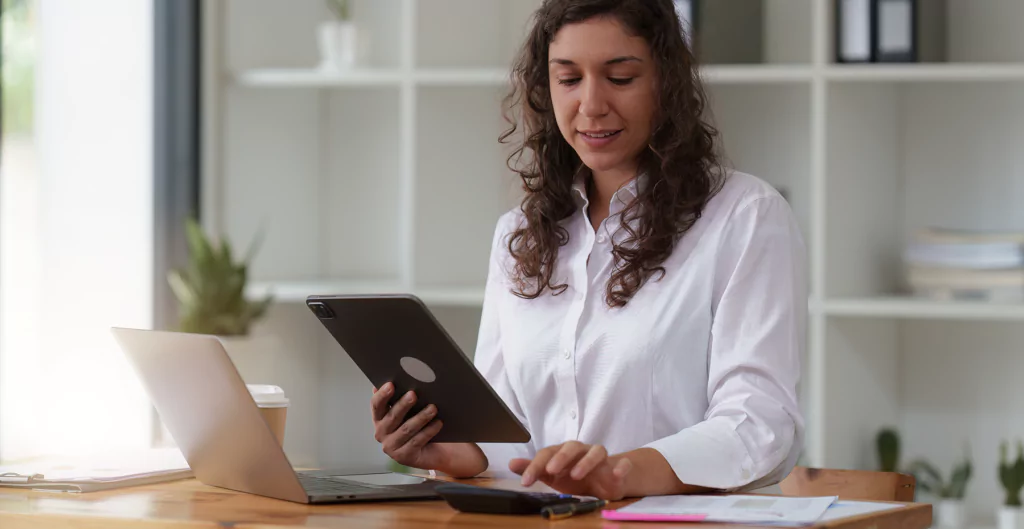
point(567, 353)
point(572, 414)
point(579, 297)
point(601, 239)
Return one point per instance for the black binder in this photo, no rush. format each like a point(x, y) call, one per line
point(895, 38)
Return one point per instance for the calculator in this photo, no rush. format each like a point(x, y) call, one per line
point(470, 498)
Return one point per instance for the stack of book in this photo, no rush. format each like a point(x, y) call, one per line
point(956, 264)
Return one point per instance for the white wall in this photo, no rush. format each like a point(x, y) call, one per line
point(787, 31)
point(985, 31)
point(962, 388)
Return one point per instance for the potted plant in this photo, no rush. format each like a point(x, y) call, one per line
point(950, 511)
point(888, 444)
point(338, 37)
point(211, 288)
point(1011, 475)
point(212, 300)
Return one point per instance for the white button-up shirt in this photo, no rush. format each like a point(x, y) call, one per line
point(701, 365)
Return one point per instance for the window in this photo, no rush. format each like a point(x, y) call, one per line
point(76, 223)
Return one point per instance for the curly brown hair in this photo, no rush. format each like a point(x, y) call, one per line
point(681, 163)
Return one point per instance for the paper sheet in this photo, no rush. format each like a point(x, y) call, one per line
point(103, 466)
point(97, 471)
point(737, 508)
point(845, 509)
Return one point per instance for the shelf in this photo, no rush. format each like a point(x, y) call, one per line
point(312, 77)
point(911, 308)
point(298, 291)
point(739, 74)
point(451, 296)
point(462, 77)
point(756, 74)
point(743, 74)
point(925, 72)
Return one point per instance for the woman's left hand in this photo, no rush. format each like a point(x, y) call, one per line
point(576, 468)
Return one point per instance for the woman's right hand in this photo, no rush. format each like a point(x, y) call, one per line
point(407, 440)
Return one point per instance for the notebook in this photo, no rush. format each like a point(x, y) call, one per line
point(97, 472)
point(772, 510)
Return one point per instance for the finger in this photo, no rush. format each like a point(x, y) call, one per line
point(518, 465)
point(594, 457)
point(622, 468)
point(566, 457)
point(379, 401)
point(411, 427)
point(396, 415)
point(421, 439)
point(536, 467)
point(610, 479)
point(393, 418)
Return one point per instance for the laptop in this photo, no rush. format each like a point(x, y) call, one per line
point(209, 412)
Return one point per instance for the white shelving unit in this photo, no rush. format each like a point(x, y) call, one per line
point(969, 72)
point(390, 178)
point(910, 308)
point(298, 291)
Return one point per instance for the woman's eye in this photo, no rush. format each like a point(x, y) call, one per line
point(569, 81)
point(621, 80)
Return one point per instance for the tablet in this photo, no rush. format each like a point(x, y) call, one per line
point(394, 338)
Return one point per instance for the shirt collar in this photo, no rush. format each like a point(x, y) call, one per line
point(579, 187)
point(620, 199)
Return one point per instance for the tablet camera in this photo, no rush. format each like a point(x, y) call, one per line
point(322, 311)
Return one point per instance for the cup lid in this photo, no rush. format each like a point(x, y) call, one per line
point(267, 396)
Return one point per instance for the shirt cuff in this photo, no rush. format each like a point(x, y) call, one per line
point(709, 454)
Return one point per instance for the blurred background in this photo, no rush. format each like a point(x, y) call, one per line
point(348, 147)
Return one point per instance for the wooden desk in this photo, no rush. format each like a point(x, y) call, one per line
point(188, 504)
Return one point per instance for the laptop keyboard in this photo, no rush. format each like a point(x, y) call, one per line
point(321, 486)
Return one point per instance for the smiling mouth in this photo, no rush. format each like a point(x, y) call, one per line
point(597, 135)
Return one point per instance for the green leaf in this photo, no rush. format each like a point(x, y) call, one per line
point(340, 8)
point(958, 482)
point(888, 445)
point(181, 288)
point(225, 253)
point(211, 288)
point(255, 245)
point(928, 478)
point(198, 246)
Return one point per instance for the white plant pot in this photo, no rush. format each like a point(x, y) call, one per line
point(1011, 518)
point(950, 513)
point(341, 45)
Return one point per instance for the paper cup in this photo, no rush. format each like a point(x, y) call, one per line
point(273, 405)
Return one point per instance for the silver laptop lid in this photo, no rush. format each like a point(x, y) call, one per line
point(205, 405)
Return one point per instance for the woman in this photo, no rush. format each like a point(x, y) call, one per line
point(645, 309)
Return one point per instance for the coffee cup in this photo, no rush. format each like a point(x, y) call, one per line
point(273, 405)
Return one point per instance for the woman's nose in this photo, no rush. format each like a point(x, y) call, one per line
point(593, 102)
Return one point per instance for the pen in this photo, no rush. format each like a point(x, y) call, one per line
point(12, 478)
point(565, 510)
